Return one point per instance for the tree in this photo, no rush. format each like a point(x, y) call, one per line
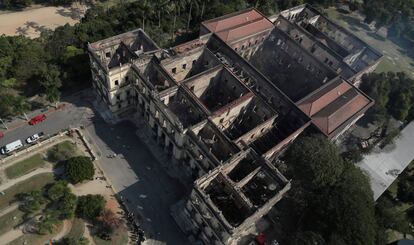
point(90, 206)
point(32, 201)
point(346, 210)
point(315, 161)
point(21, 106)
point(352, 156)
point(109, 223)
point(389, 217)
point(79, 168)
point(393, 94)
point(50, 81)
point(308, 238)
point(67, 205)
point(6, 105)
point(405, 191)
point(73, 241)
point(48, 222)
point(58, 190)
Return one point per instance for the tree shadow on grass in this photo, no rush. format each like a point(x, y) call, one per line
point(352, 22)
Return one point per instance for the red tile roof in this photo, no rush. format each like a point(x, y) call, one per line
point(247, 29)
point(238, 25)
point(334, 104)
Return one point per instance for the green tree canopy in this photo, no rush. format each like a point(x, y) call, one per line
point(315, 161)
point(79, 168)
point(58, 190)
point(90, 206)
point(31, 201)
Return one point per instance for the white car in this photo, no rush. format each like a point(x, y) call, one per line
point(34, 138)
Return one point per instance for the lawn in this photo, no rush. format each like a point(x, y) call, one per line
point(34, 239)
point(120, 237)
point(34, 183)
point(62, 151)
point(23, 167)
point(398, 53)
point(10, 220)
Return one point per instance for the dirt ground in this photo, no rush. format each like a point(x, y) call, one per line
point(31, 22)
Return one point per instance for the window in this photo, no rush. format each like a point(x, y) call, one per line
point(194, 61)
point(184, 66)
point(116, 82)
point(174, 70)
point(192, 88)
point(128, 93)
point(108, 54)
point(126, 78)
point(222, 120)
point(242, 47)
point(119, 106)
point(235, 49)
point(255, 42)
point(118, 97)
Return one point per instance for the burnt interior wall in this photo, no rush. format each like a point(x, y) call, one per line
point(296, 76)
point(216, 89)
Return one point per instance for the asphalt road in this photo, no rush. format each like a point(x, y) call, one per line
point(71, 115)
point(135, 174)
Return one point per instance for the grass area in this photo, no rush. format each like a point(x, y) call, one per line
point(10, 220)
point(62, 151)
point(34, 183)
point(398, 53)
point(23, 167)
point(34, 239)
point(77, 230)
point(119, 238)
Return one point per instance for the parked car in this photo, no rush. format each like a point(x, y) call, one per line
point(11, 147)
point(37, 119)
point(34, 138)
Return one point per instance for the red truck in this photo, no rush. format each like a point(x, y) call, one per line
point(37, 119)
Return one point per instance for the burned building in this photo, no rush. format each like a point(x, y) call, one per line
point(305, 55)
point(225, 105)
